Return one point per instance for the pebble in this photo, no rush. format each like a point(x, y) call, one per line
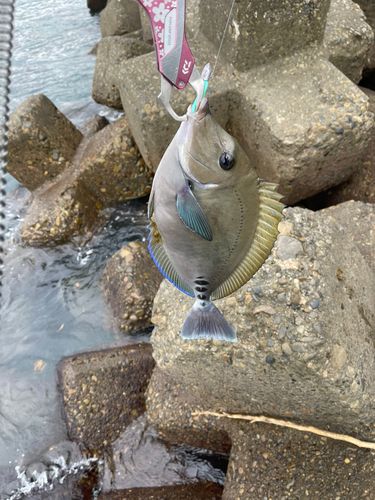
point(298, 320)
point(270, 342)
point(266, 309)
point(317, 327)
point(315, 304)
point(270, 360)
point(339, 356)
point(281, 297)
point(288, 248)
point(258, 291)
point(298, 347)
point(282, 332)
point(286, 349)
point(276, 319)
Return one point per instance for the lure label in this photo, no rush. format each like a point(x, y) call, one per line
point(170, 31)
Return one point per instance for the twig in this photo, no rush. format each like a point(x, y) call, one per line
point(285, 423)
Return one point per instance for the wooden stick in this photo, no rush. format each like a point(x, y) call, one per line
point(285, 423)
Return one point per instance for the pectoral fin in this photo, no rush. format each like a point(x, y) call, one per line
point(191, 213)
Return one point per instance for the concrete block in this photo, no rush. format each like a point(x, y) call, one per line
point(104, 392)
point(303, 322)
point(130, 281)
point(347, 38)
point(263, 32)
point(42, 141)
point(120, 17)
point(111, 52)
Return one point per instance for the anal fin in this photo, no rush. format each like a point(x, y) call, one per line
point(162, 260)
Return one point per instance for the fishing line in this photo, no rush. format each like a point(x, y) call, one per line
point(6, 35)
point(222, 39)
point(208, 67)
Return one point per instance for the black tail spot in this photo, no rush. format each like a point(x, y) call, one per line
point(201, 282)
point(201, 297)
point(201, 289)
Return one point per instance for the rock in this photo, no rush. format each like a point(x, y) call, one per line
point(42, 141)
point(93, 125)
point(103, 392)
point(197, 491)
point(348, 38)
point(300, 384)
point(354, 216)
point(267, 461)
point(169, 411)
point(130, 282)
point(111, 52)
point(111, 166)
point(301, 121)
point(96, 5)
point(120, 17)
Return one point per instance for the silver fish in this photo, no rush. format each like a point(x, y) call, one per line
point(212, 221)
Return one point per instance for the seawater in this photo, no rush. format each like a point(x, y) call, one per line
point(52, 304)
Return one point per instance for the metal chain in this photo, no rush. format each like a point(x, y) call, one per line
point(6, 35)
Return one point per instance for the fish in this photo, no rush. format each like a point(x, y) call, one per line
point(213, 222)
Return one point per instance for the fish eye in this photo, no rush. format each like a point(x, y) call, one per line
point(226, 161)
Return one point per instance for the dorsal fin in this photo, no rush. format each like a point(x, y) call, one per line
point(270, 214)
point(162, 260)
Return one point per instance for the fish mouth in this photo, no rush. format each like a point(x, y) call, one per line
point(188, 174)
point(201, 112)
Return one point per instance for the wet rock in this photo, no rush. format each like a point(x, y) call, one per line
point(60, 211)
point(169, 411)
point(301, 384)
point(96, 5)
point(112, 51)
point(267, 107)
point(42, 141)
point(111, 166)
point(106, 170)
point(347, 38)
point(130, 282)
point(267, 461)
point(103, 392)
point(200, 491)
point(93, 125)
point(140, 455)
point(120, 17)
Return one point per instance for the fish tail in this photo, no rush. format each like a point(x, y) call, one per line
point(205, 321)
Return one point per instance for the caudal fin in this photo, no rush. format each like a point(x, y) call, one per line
point(207, 322)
